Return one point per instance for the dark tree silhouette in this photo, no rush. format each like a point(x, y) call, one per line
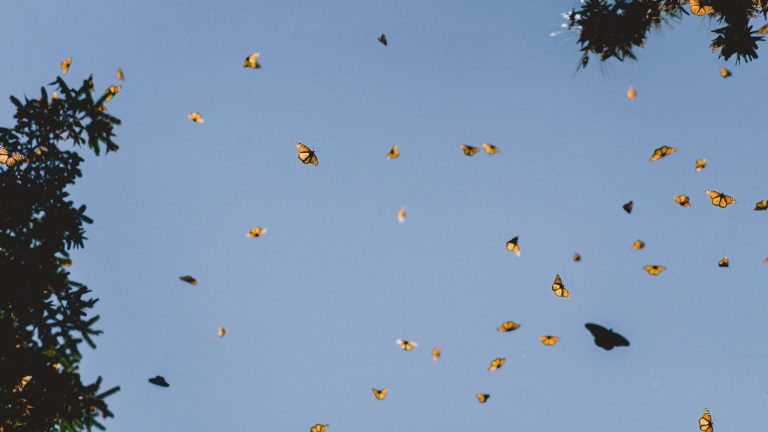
point(44, 316)
point(613, 29)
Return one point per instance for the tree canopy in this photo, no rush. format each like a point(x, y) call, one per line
point(44, 315)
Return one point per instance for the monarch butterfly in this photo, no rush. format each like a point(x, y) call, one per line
point(380, 394)
point(252, 61)
point(65, 64)
point(189, 279)
point(256, 232)
point(490, 149)
point(628, 207)
point(406, 345)
point(394, 153)
point(700, 164)
point(401, 215)
point(723, 262)
point(765, 261)
point(559, 289)
point(469, 150)
point(383, 39)
point(159, 381)
point(654, 270)
point(631, 93)
point(725, 73)
point(9, 159)
point(196, 117)
point(120, 75)
point(763, 29)
point(698, 9)
point(306, 155)
point(638, 244)
point(761, 205)
point(435, 354)
point(482, 397)
point(576, 256)
point(111, 92)
point(319, 428)
point(662, 151)
point(605, 338)
point(720, 199)
point(513, 247)
point(683, 200)
point(508, 326)
point(705, 422)
point(496, 363)
point(22, 383)
point(222, 331)
point(549, 340)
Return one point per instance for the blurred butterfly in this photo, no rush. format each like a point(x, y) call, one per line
point(436, 354)
point(698, 9)
point(22, 383)
point(576, 256)
point(111, 92)
point(654, 270)
point(490, 149)
point(120, 75)
point(401, 215)
point(468, 150)
point(605, 338)
point(496, 363)
point(638, 244)
point(222, 331)
point(549, 340)
point(380, 394)
point(763, 29)
point(482, 397)
point(319, 428)
point(508, 326)
point(720, 199)
point(406, 345)
point(159, 381)
point(9, 159)
point(627, 207)
point(761, 205)
point(700, 164)
point(393, 153)
point(662, 151)
point(683, 200)
point(65, 64)
point(559, 289)
point(188, 279)
point(631, 93)
point(513, 247)
point(723, 262)
point(252, 61)
point(765, 261)
point(256, 232)
point(725, 73)
point(196, 117)
point(383, 39)
point(705, 422)
point(306, 155)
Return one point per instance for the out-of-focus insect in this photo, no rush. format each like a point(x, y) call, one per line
point(638, 244)
point(496, 363)
point(490, 148)
point(513, 247)
point(256, 232)
point(436, 354)
point(631, 93)
point(549, 340)
point(383, 39)
point(628, 207)
point(654, 270)
point(700, 164)
point(483, 397)
point(380, 394)
point(508, 326)
point(725, 73)
point(683, 200)
point(120, 74)
point(393, 153)
point(723, 262)
point(252, 61)
point(661, 152)
point(469, 150)
point(196, 117)
point(189, 279)
point(65, 64)
point(406, 345)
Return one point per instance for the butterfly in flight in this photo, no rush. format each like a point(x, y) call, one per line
point(319, 428)
point(394, 152)
point(723, 262)
point(662, 151)
point(496, 363)
point(628, 207)
point(763, 29)
point(700, 164)
point(725, 73)
point(383, 39)
point(120, 74)
point(761, 205)
point(222, 331)
point(705, 422)
point(605, 338)
point(559, 288)
point(513, 247)
point(683, 200)
point(469, 150)
point(111, 92)
point(159, 381)
point(196, 117)
point(631, 93)
point(549, 340)
point(406, 345)
point(306, 155)
point(256, 232)
point(252, 61)
point(720, 199)
point(576, 257)
point(65, 64)
point(401, 215)
point(483, 397)
point(654, 270)
point(380, 394)
point(638, 244)
point(436, 354)
point(189, 279)
point(508, 326)
point(490, 149)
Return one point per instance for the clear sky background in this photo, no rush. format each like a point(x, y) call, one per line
point(313, 308)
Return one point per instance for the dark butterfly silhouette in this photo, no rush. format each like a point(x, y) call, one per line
point(605, 338)
point(383, 39)
point(159, 381)
point(627, 207)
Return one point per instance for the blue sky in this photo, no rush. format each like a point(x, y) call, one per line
point(313, 308)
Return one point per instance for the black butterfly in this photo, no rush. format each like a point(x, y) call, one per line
point(159, 381)
point(383, 39)
point(627, 207)
point(605, 338)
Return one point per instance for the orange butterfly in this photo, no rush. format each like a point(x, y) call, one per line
point(549, 340)
point(720, 199)
point(662, 151)
point(559, 289)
